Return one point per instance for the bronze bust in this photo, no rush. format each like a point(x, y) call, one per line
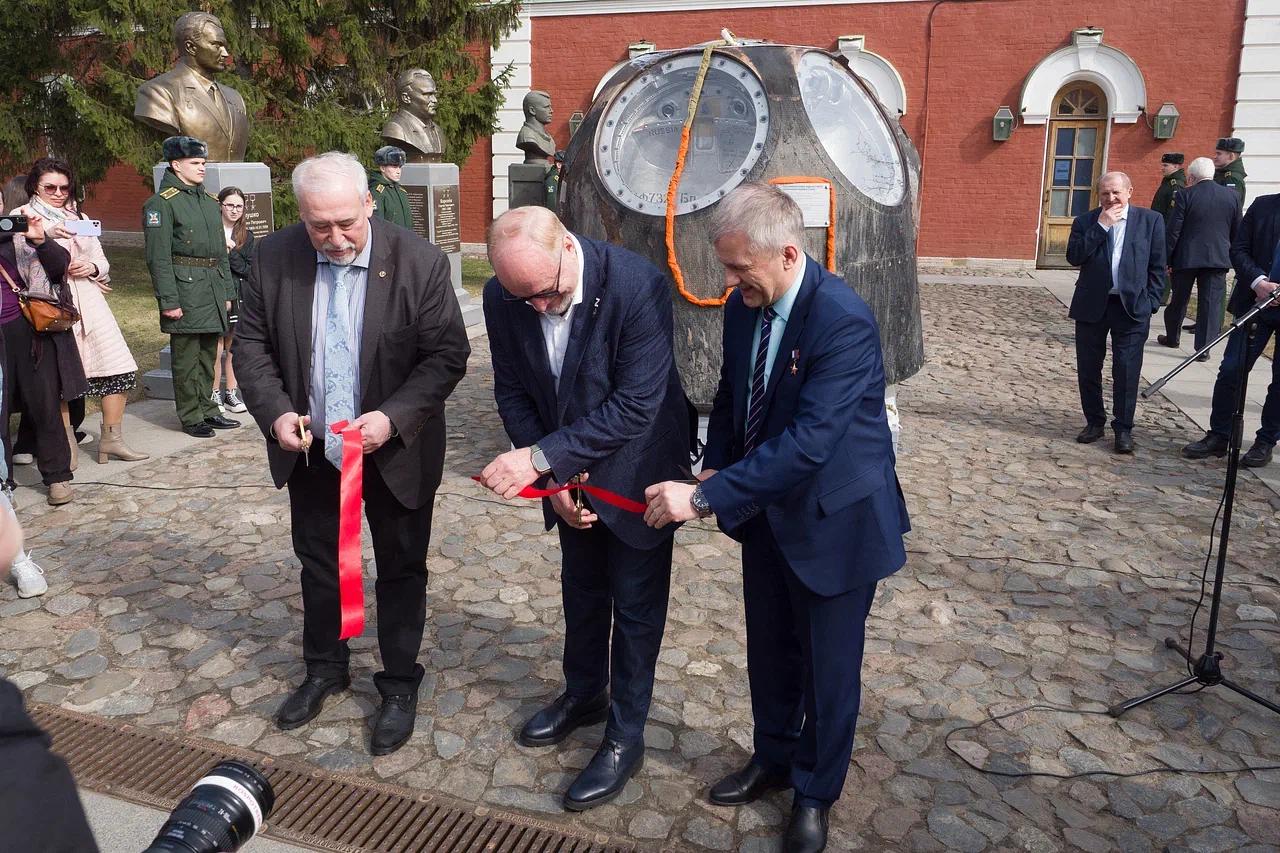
point(187, 101)
point(534, 140)
point(411, 127)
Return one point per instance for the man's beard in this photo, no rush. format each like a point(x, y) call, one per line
point(349, 253)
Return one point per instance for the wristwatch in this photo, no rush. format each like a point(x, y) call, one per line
point(540, 463)
point(699, 502)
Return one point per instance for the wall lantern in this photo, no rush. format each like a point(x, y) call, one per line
point(1002, 125)
point(575, 121)
point(1166, 121)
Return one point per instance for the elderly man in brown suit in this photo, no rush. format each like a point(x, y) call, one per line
point(187, 101)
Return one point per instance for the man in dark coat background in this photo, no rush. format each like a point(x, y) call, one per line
point(1172, 179)
point(1120, 250)
point(1255, 254)
point(585, 381)
point(1198, 239)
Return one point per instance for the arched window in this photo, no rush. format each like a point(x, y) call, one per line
point(1083, 100)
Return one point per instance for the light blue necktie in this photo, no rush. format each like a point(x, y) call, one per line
point(339, 363)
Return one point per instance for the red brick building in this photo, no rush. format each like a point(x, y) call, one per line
point(1083, 79)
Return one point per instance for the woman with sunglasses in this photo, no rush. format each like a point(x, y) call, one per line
point(107, 363)
point(239, 252)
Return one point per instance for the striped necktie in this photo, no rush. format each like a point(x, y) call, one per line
point(759, 381)
point(339, 362)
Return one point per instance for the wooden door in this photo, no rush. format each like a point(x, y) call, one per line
point(1073, 163)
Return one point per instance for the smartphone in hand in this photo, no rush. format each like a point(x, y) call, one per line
point(83, 227)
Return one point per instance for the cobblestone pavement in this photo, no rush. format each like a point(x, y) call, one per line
point(1040, 571)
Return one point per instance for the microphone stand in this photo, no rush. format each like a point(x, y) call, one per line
point(1207, 668)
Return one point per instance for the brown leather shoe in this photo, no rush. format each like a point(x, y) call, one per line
point(60, 493)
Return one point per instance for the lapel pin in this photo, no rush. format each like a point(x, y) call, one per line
point(795, 356)
point(382, 273)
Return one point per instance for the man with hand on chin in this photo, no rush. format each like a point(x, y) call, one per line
point(350, 319)
point(799, 468)
point(585, 382)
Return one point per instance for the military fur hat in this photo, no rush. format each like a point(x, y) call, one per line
point(389, 155)
point(183, 148)
point(1232, 144)
point(1175, 158)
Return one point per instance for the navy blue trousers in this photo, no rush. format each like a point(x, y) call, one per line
point(615, 610)
point(1128, 336)
point(804, 664)
point(1224, 390)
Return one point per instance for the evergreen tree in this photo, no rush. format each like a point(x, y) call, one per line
point(316, 75)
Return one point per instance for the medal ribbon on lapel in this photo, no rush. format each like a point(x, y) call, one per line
point(611, 498)
point(350, 499)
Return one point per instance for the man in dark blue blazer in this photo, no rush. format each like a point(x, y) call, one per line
point(586, 384)
point(1120, 250)
point(799, 468)
point(1202, 226)
point(1255, 254)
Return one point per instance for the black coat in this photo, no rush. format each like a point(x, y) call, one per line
point(1201, 227)
point(1142, 265)
point(54, 258)
point(1253, 249)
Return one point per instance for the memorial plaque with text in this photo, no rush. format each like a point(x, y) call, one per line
point(448, 226)
point(418, 211)
point(259, 217)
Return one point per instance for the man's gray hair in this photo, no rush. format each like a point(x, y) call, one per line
point(327, 170)
point(769, 218)
point(1201, 169)
point(1124, 179)
point(189, 26)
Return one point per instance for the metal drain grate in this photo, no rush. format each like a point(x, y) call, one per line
point(313, 807)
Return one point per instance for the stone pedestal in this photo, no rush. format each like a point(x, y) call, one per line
point(526, 184)
point(436, 206)
point(254, 180)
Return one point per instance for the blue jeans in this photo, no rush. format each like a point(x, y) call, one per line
point(1224, 390)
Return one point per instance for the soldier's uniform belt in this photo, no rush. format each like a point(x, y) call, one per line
point(191, 261)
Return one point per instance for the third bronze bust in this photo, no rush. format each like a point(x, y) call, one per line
point(411, 127)
point(534, 140)
point(186, 101)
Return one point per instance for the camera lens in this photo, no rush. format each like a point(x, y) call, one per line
point(223, 811)
point(6, 224)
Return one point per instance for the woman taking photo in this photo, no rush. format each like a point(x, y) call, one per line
point(239, 252)
point(108, 365)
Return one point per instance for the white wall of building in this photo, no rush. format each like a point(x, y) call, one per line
point(515, 50)
point(1257, 118)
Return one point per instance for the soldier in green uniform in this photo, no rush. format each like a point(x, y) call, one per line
point(187, 256)
point(1173, 178)
point(1228, 167)
point(390, 201)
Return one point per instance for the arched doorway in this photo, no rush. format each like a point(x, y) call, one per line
point(1074, 158)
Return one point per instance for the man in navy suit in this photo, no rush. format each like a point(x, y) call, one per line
point(1255, 254)
point(1120, 250)
point(799, 468)
point(1202, 225)
point(586, 384)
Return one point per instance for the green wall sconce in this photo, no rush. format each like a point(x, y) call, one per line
point(1002, 125)
point(1166, 123)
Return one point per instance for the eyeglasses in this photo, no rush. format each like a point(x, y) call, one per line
point(233, 206)
point(549, 293)
point(55, 189)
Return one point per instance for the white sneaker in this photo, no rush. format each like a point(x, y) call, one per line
point(231, 399)
point(216, 399)
point(29, 576)
point(23, 458)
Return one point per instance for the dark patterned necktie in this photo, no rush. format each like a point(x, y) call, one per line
point(759, 380)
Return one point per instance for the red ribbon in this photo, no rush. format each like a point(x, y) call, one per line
point(612, 498)
point(350, 498)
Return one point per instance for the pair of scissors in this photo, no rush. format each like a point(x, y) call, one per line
point(305, 440)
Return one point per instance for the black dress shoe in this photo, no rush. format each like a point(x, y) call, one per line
point(1089, 434)
point(395, 722)
point(305, 703)
point(1124, 441)
point(604, 776)
point(807, 831)
point(1211, 445)
point(1258, 455)
point(748, 785)
point(198, 430)
point(557, 721)
point(1189, 327)
point(1204, 356)
point(1166, 341)
point(219, 422)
